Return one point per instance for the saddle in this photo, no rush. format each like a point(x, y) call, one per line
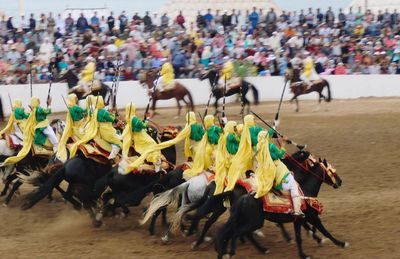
point(97, 150)
point(45, 150)
point(144, 169)
point(10, 142)
point(281, 202)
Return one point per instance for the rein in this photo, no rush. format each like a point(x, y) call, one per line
point(305, 168)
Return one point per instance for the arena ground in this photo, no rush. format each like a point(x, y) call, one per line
point(359, 137)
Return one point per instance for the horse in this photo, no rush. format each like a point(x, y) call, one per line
point(248, 214)
point(190, 193)
point(87, 181)
point(179, 92)
point(26, 170)
point(298, 87)
point(130, 189)
point(218, 91)
point(98, 88)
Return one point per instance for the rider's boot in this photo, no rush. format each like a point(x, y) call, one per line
point(297, 207)
point(114, 151)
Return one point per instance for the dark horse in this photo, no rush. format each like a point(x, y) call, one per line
point(298, 87)
point(179, 92)
point(99, 88)
point(218, 91)
point(248, 215)
point(87, 181)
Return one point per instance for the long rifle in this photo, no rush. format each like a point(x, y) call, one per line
point(211, 94)
point(280, 102)
point(223, 104)
point(51, 82)
point(30, 77)
point(299, 146)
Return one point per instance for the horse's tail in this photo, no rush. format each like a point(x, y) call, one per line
point(329, 91)
point(255, 93)
point(162, 200)
point(44, 190)
point(225, 233)
point(190, 100)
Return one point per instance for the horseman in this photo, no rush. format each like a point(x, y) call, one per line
point(100, 129)
point(227, 74)
point(13, 133)
point(309, 74)
point(271, 172)
point(74, 127)
point(136, 139)
point(205, 159)
point(191, 134)
point(243, 160)
point(87, 75)
point(166, 81)
point(228, 146)
point(37, 132)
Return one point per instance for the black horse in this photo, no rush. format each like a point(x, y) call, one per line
point(26, 170)
point(248, 215)
point(72, 80)
point(218, 92)
point(214, 204)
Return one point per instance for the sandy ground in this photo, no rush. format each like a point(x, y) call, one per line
point(359, 137)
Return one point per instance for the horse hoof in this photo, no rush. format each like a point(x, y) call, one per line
point(226, 256)
point(259, 233)
point(309, 233)
point(322, 241)
point(5, 205)
point(345, 245)
point(208, 239)
point(194, 245)
point(165, 239)
point(99, 216)
point(97, 223)
point(266, 251)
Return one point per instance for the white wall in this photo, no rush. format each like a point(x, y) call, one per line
point(270, 88)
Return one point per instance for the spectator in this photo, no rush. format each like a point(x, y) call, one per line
point(201, 21)
point(330, 17)
point(226, 20)
point(32, 23)
point(69, 24)
point(82, 23)
point(208, 17)
point(165, 21)
point(148, 24)
point(340, 69)
point(123, 22)
point(111, 22)
point(95, 22)
point(271, 17)
point(253, 18)
point(180, 20)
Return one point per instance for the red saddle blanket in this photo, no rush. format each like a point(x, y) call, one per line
point(278, 202)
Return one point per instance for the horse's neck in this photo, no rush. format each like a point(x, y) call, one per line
point(310, 184)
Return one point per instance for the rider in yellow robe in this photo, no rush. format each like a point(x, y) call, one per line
point(205, 159)
point(167, 77)
point(37, 131)
point(228, 146)
point(135, 135)
point(100, 126)
point(16, 123)
point(192, 132)
point(87, 75)
point(228, 74)
point(73, 126)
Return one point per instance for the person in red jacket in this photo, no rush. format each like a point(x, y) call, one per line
point(340, 69)
point(180, 20)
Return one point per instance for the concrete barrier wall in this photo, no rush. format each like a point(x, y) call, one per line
point(270, 88)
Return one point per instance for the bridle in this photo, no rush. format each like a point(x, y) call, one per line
point(305, 166)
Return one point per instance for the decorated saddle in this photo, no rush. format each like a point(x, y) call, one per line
point(45, 150)
point(281, 202)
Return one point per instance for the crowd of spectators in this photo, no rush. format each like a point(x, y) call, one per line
point(354, 42)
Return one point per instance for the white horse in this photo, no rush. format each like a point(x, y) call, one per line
point(191, 192)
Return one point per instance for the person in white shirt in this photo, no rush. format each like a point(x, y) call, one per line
point(60, 23)
point(156, 20)
point(24, 23)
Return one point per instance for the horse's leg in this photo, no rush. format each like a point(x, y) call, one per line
point(316, 221)
point(15, 187)
point(153, 221)
point(179, 108)
point(8, 181)
point(68, 197)
point(164, 220)
point(298, 222)
point(313, 232)
point(214, 217)
point(297, 105)
point(284, 232)
point(259, 247)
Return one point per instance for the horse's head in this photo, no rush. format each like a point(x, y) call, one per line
point(330, 176)
point(323, 170)
point(58, 126)
point(170, 132)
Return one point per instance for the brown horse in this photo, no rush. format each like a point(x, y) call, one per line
point(298, 87)
point(179, 92)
